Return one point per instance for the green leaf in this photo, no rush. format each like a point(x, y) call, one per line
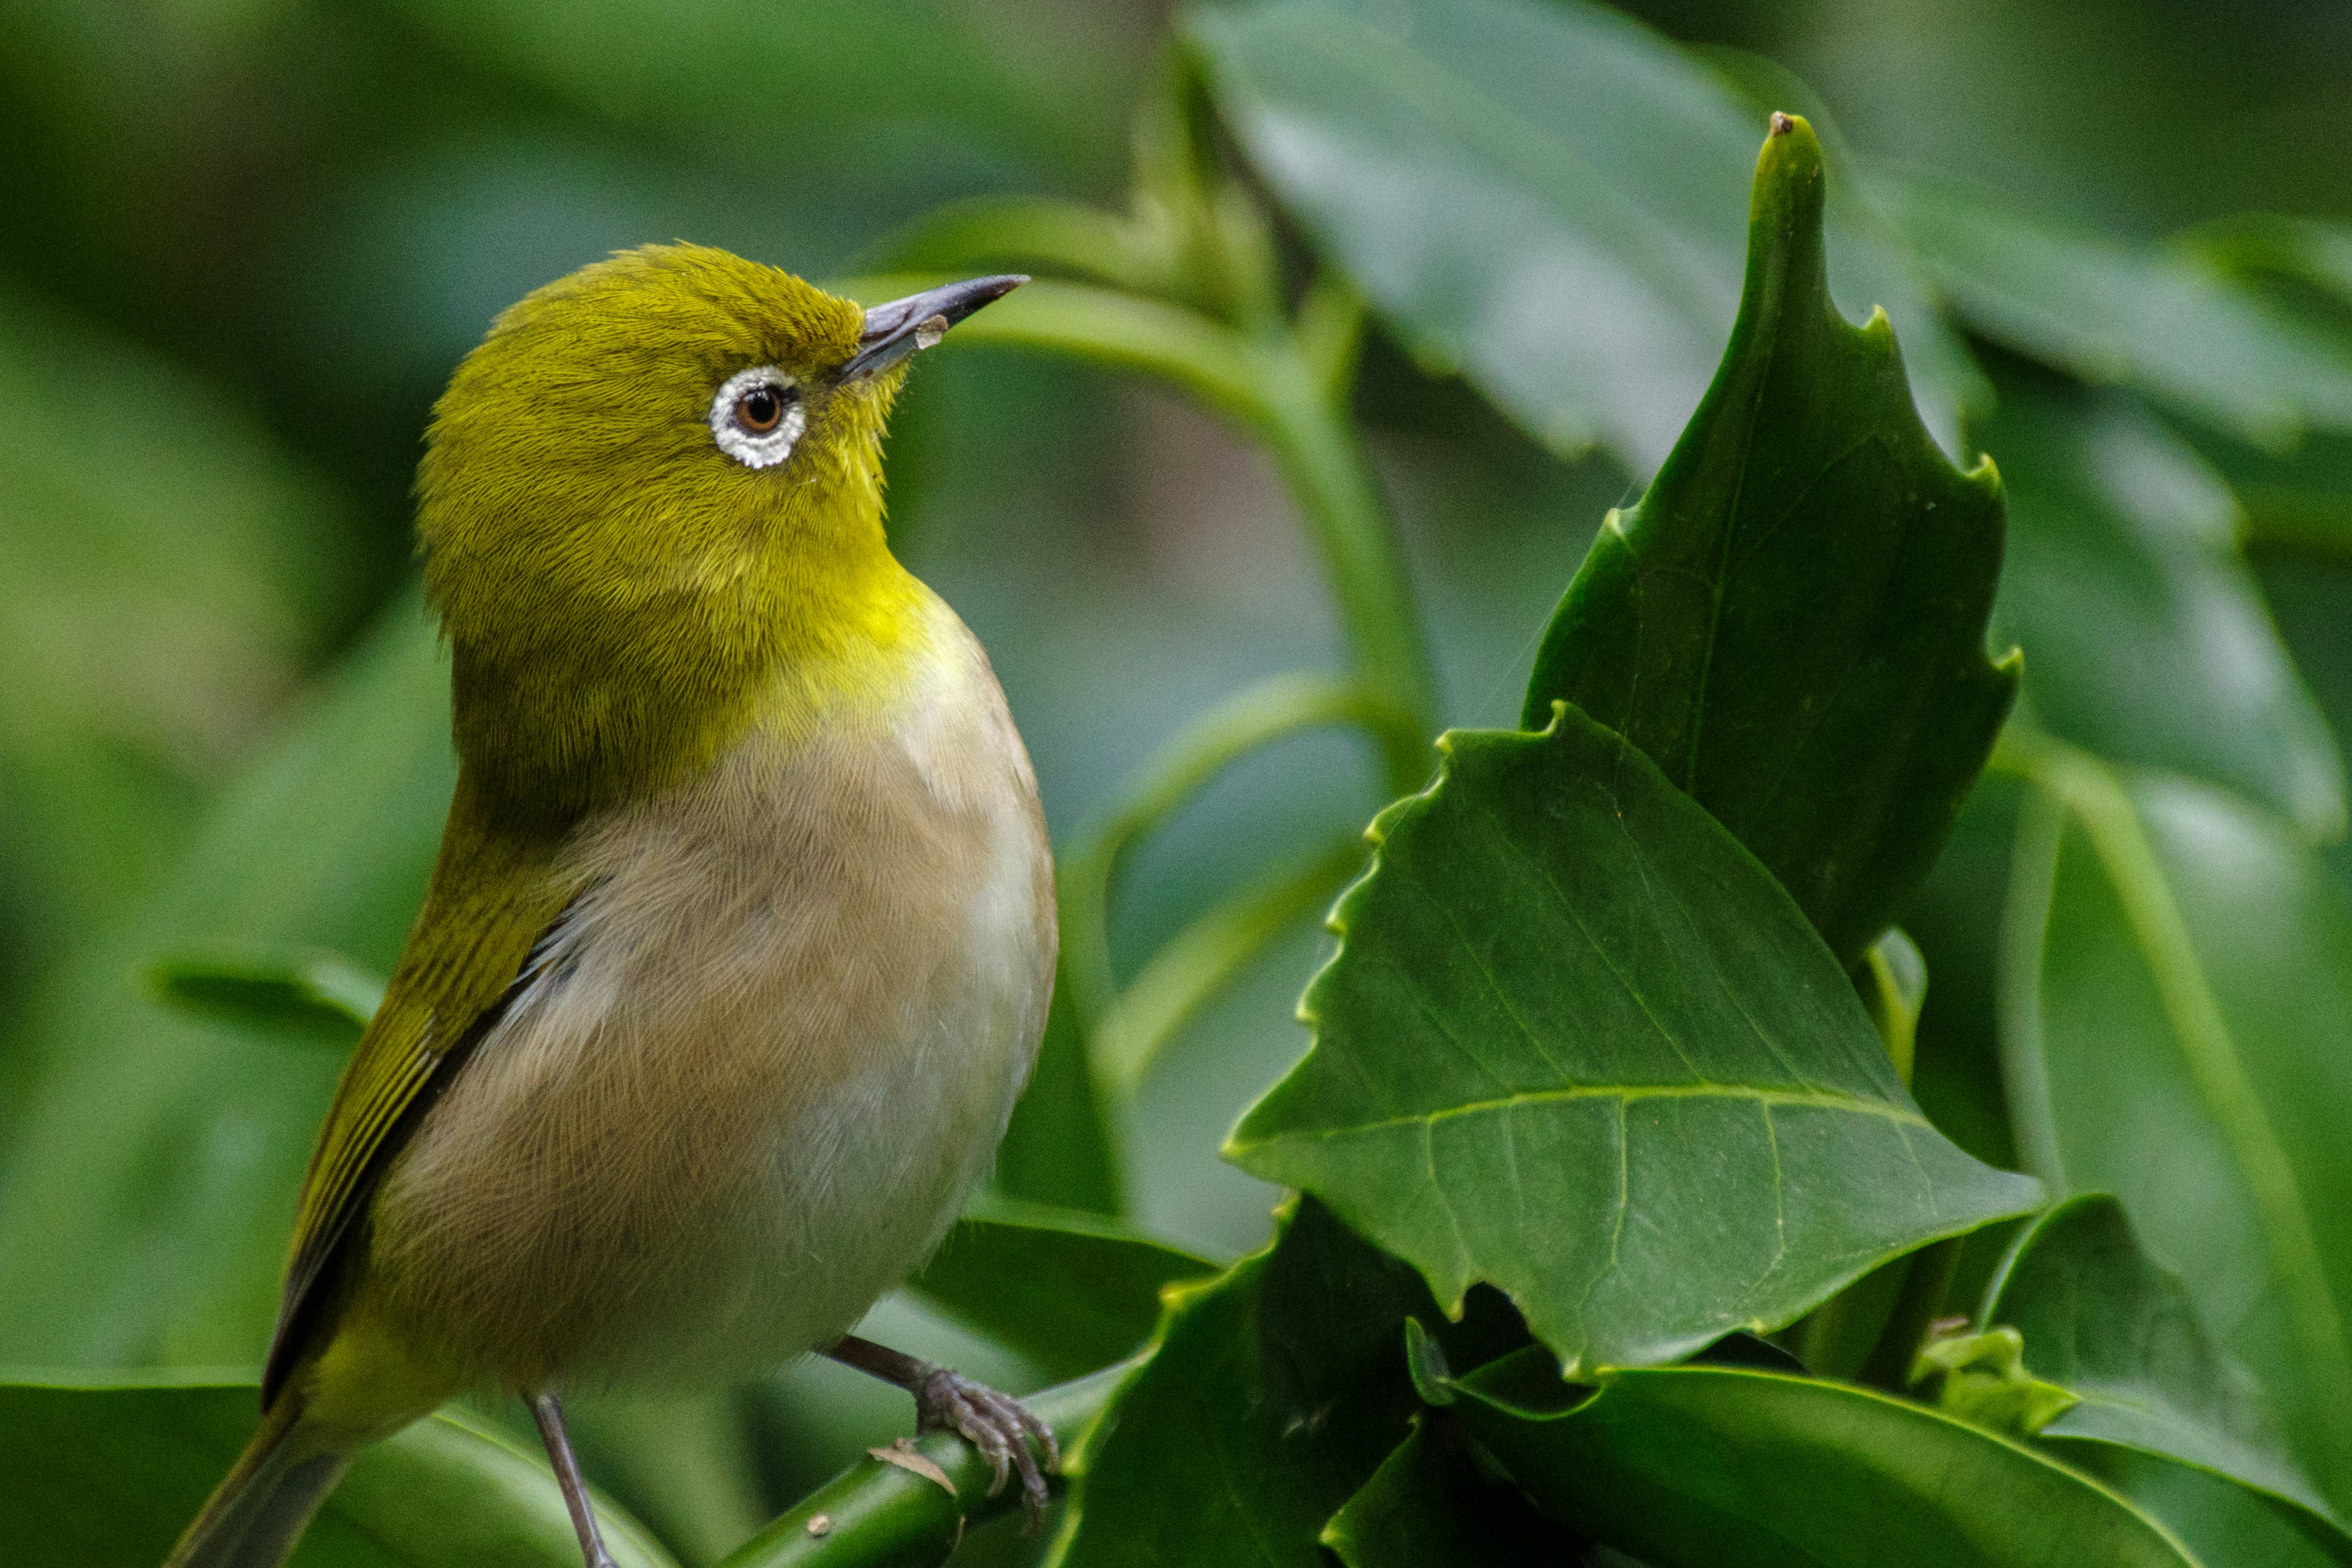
point(149, 1181)
point(320, 998)
point(2222, 1522)
point(2169, 323)
point(2118, 1330)
point(1539, 195)
point(2145, 636)
point(2177, 993)
point(107, 1477)
point(1272, 1394)
point(1699, 1466)
point(1070, 1291)
point(1791, 621)
point(1577, 1043)
point(1428, 1506)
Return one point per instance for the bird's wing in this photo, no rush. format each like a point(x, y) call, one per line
point(493, 900)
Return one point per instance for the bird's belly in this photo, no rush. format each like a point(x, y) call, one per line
point(762, 1061)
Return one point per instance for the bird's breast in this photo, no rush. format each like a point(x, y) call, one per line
point(759, 1063)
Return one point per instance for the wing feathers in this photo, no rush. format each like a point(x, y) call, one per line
point(495, 900)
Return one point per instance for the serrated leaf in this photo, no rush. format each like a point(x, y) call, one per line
point(1699, 1466)
point(2119, 1331)
point(2178, 989)
point(1070, 1291)
point(1542, 197)
point(108, 1476)
point(1791, 622)
point(1578, 1043)
point(2169, 323)
point(2145, 636)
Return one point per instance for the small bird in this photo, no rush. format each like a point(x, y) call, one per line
point(739, 945)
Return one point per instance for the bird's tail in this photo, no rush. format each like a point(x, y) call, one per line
point(258, 1513)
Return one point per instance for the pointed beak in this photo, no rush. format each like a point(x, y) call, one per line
point(901, 327)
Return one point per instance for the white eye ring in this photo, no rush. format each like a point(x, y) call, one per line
point(752, 447)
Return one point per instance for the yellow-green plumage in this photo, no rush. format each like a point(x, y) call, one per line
point(738, 944)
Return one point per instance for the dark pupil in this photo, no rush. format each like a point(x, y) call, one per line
point(760, 409)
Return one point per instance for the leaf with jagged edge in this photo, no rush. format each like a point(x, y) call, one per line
point(1577, 1043)
point(1791, 621)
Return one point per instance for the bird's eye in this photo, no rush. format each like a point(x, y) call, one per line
point(757, 416)
point(760, 410)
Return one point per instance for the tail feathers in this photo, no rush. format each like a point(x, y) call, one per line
point(260, 1511)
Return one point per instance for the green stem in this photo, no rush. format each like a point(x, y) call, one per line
point(1926, 1284)
point(1312, 439)
point(1249, 719)
point(878, 1515)
point(2095, 797)
point(1201, 959)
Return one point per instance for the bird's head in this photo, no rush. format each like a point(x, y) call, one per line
point(656, 482)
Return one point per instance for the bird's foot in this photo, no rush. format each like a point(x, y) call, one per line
point(1007, 1435)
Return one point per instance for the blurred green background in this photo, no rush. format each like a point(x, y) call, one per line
point(243, 242)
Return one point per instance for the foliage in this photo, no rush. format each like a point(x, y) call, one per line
point(1615, 1232)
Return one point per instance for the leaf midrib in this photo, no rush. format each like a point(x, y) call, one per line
point(1624, 1094)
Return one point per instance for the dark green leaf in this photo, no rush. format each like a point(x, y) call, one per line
point(1068, 1290)
point(147, 1192)
point(108, 1476)
point(1428, 1506)
point(2180, 988)
point(2169, 323)
point(1578, 1044)
point(320, 998)
point(1272, 1394)
point(2118, 1330)
point(2146, 637)
point(1544, 197)
point(1701, 1467)
point(1791, 622)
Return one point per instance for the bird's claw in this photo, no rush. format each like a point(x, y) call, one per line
point(1003, 1431)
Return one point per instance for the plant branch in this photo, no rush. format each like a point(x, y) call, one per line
point(878, 1514)
point(1249, 719)
point(1201, 959)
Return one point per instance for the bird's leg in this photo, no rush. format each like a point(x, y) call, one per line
point(998, 1426)
point(548, 1411)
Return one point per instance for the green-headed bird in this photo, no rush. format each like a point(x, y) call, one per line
point(739, 941)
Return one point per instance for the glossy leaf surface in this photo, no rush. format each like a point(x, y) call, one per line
point(2145, 633)
point(1543, 196)
point(1068, 1290)
point(2178, 1041)
point(1699, 1466)
point(107, 1477)
point(1791, 622)
point(1577, 1043)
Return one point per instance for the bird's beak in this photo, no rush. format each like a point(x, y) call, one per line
point(899, 327)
